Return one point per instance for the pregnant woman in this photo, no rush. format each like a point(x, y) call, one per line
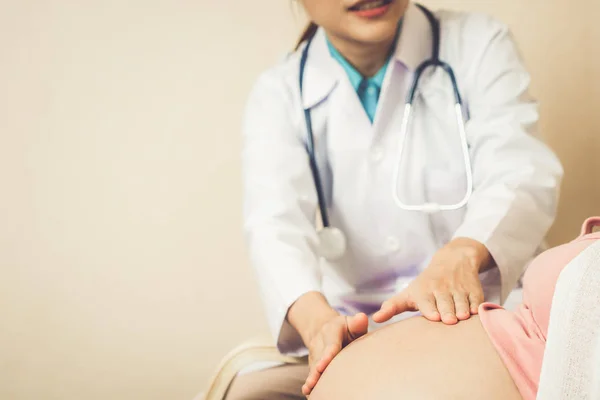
point(496, 355)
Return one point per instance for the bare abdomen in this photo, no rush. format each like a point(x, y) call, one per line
point(417, 359)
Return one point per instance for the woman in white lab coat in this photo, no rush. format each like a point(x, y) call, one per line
point(360, 65)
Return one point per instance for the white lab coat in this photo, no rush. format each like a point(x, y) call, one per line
point(516, 177)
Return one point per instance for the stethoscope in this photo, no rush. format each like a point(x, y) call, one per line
point(332, 241)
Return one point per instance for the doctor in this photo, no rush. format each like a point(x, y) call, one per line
point(417, 217)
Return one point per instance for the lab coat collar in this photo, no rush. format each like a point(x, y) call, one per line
point(323, 72)
point(416, 39)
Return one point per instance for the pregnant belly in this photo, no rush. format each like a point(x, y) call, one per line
point(416, 359)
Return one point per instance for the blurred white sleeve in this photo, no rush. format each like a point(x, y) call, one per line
point(516, 177)
point(280, 205)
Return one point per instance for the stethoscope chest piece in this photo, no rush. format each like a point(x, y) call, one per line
point(332, 243)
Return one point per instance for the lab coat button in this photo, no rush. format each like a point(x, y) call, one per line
point(376, 154)
point(392, 244)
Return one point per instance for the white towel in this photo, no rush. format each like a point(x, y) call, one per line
point(571, 365)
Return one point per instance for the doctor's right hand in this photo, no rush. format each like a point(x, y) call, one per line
point(324, 332)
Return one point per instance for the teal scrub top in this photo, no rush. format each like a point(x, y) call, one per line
point(367, 89)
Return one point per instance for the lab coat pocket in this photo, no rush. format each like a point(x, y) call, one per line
point(446, 186)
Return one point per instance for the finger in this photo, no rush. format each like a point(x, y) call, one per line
point(427, 306)
point(475, 299)
point(396, 305)
point(315, 356)
point(310, 383)
point(461, 305)
point(357, 326)
point(311, 380)
point(317, 371)
point(306, 389)
point(445, 306)
point(321, 363)
point(328, 355)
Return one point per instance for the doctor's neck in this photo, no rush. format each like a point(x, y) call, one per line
point(367, 58)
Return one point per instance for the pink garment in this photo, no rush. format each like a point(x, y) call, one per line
point(520, 336)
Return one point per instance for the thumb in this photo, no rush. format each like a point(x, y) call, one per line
point(357, 325)
point(394, 306)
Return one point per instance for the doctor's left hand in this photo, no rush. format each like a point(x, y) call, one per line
point(332, 337)
point(449, 289)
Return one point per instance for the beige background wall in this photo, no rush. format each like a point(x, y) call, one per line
point(123, 273)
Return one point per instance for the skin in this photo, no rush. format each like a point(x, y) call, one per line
point(324, 332)
point(365, 43)
point(449, 289)
point(417, 359)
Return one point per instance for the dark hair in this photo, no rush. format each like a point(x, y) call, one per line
point(308, 33)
